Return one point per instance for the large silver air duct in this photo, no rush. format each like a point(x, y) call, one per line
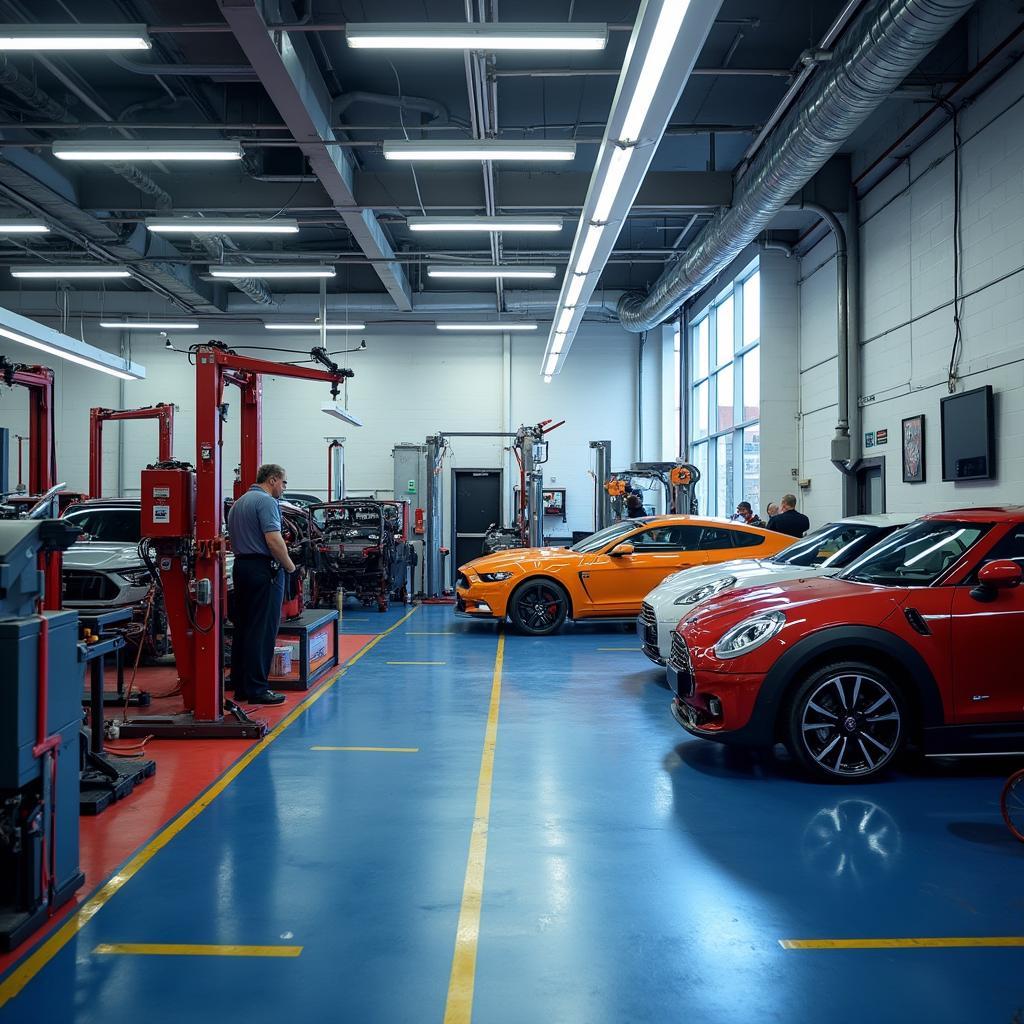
point(880, 48)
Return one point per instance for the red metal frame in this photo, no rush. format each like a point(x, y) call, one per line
point(198, 644)
point(162, 413)
point(42, 454)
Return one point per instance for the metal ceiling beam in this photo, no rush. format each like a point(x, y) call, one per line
point(447, 190)
point(288, 72)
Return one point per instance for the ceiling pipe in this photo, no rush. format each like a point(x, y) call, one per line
point(880, 49)
point(237, 72)
point(437, 112)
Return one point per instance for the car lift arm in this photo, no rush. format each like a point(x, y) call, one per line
point(162, 413)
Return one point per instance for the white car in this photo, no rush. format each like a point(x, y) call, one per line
point(822, 553)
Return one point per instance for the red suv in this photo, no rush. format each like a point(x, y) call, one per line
point(916, 642)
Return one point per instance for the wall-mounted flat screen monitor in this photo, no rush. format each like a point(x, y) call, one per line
point(968, 435)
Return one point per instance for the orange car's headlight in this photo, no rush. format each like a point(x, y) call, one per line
point(494, 577)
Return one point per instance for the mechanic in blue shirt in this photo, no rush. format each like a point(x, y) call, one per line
point(261, 561)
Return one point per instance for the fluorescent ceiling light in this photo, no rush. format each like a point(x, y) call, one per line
point(74, 37)
point(547, 378)
point(551, 364)
point(24, 331)
point(564, 321)
point(244, 270)
point(556, 347)
point(484, 223)
point(486, 149)
point(148, 325)
point(23, 227)
point(221, 226)
point(436, 270)
point(458, 35)
point(663, 40)
point(128, 149)
point(613, 175)
point(588, 248)
point(487, 327)
point(576, 284)
point(75, 270)
point(313, 327)
point(338, 411)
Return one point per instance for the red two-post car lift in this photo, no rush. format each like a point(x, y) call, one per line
point(183, 512)
point(162, 413)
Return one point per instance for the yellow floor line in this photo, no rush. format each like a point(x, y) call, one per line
point(380, 750)
point(178, 949)
point(965, 942)
point(459, 1006)
point(33, 964)
point(415, 663)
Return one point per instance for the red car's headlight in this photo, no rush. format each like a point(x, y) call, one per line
point(749, 634)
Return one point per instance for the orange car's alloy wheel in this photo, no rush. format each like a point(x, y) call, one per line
point(539, 608)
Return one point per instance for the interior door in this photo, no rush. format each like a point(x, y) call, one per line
point(871, 488)
point(476, 503)
point(617, 584)
point(988, 682)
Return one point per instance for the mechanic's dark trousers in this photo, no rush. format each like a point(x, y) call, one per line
point(259, 590)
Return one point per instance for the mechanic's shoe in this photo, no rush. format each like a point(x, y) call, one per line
point(267, 697)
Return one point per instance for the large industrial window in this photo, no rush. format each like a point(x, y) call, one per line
point(725, 389)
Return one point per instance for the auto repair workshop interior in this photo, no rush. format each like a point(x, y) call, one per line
point(511, 512)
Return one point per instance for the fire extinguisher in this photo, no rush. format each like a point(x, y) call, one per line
point(418, 526)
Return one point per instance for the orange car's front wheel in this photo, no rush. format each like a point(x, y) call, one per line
point(538, 607)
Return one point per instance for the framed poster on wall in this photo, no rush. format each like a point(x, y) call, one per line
point(913, 450)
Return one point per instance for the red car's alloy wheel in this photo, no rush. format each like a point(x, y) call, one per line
point(1012, 804)
point(849, 722)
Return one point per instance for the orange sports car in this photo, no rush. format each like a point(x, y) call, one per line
point(605, 576)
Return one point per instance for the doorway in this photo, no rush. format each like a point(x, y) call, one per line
point(870, 487)
point(476, 503)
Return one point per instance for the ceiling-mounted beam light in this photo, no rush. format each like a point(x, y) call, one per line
point(485, 149)
point(221, 226)
point(458, 35)
point(24, 331)
point(50, 271)
point(516, 271)
point(521, 326)
point(149, 325)
point(132, 151)
point(74, 37)
point(667, 37)
point(246, 270)
point(339, 412)
point(457, 224)
point(23, 227)
point(313, 327)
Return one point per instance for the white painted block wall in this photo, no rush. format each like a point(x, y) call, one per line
point(406, 386)
point(906, 236)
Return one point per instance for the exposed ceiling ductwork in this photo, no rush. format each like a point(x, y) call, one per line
point(877, 52)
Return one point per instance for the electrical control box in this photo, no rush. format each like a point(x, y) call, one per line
point(168, 502)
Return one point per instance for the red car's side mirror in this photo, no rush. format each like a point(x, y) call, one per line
point(1001, 574)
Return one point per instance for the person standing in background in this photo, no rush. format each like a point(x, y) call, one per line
point(771, 510)
point(789, 521)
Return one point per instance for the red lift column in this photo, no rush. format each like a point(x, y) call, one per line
point(163, 413)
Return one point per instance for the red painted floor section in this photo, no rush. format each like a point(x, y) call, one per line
point(184, 768)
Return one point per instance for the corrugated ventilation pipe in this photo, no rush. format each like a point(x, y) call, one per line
point(880, 48)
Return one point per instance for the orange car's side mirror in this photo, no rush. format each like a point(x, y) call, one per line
point(621, 549)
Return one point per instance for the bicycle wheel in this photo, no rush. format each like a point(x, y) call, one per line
point(1012, 804)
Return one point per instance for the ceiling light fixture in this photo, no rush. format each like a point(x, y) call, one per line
point(221, 226)
point(313, 327)
point(458, 35)
point(666, 40)
point(132, 151)
point(75, 270)
point(339, 412)
point(24, 331)
point(518, 271)
point(245, 270)
point(456, 224)
point(547, 378)
point(23, 227)
point(486, 149)
point(74, 37)
point(487, 327)
point(149, 325)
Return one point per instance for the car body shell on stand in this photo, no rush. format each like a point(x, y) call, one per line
point(604, 576)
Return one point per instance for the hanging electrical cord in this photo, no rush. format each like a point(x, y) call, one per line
point(401, 121)
point(953, 376)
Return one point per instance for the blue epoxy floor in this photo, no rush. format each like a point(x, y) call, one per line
point(633, 874)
